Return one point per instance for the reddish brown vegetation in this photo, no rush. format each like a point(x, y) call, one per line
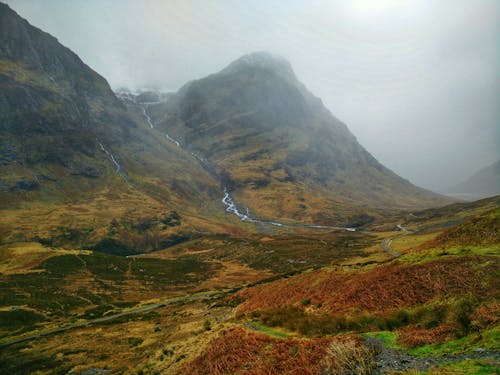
point(239, 350)
point(487, 315)
point(413, 335)
point(385, 287)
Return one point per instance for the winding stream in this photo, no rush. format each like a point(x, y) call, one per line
point(228, 201)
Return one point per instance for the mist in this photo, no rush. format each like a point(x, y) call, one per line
point(417, 82)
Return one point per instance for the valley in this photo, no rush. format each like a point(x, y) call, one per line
point(235, 226)
point(297, 286)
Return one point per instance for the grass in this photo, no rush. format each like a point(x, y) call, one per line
point(270, 331)
point(455, 251)
point(388, 338)
point(437, 321)
point(15, 319)
point(468, 367)
point(21, 258)
point(91, 284)
point(487, 339)
point(278, 253)
point(409, 241)
point(155, 272)
point(419, 291)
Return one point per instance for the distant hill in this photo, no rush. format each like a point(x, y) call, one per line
point(278, 148)
point(483, 183)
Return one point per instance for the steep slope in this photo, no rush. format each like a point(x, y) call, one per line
point(279, 148)
point(65, 138)
point(483, 183)
point(53, 109)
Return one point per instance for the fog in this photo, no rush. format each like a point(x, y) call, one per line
point(417, 82)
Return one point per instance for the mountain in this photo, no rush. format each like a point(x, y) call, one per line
point(75, 159)
point(53, 108)
point(483, 183)
point(277, 147)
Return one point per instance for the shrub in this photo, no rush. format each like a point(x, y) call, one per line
point(347, 358)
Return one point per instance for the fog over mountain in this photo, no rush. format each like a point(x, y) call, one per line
point(417, 82)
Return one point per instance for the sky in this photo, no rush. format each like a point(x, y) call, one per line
point(417, 82)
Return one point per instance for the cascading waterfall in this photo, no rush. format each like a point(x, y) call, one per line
point(111, 157)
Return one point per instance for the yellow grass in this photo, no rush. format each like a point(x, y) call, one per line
point(23, 256)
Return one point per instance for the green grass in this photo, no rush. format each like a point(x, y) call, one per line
point(273, 332)
point(456, 251)
point(488, 339)
point(470, 367)
point(388, 338)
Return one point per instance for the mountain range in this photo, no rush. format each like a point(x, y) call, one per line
point(252, 130)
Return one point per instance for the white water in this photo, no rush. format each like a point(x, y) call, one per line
point(148, 119)
point(231, 207)
point(172, 140)
point(228, 201)
point(111, 157)
point(150, 122)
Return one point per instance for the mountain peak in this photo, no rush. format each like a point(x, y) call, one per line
point(262, 60)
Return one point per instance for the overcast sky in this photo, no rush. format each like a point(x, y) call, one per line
point(417, 82)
